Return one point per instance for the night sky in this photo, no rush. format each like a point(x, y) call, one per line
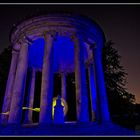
point(120, 23)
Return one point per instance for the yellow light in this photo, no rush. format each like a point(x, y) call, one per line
point(5, 113)
point(63, 103)
point(36, 109)
point(33, 109)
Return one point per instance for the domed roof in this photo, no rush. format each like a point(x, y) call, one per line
point(64, 23)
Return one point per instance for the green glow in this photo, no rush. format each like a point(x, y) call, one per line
point(33, 109)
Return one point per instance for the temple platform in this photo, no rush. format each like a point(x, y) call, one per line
point(67, 129)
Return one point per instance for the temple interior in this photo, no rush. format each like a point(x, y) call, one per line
point(63, 61)
point(63, 54)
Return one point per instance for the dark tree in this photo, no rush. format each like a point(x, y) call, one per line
point(5, 60)
point(121, 102)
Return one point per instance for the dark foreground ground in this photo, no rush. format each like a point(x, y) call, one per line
point(69, 129)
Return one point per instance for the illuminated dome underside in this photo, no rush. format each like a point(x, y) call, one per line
point(63, 54)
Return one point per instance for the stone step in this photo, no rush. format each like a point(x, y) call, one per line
point(67, 129)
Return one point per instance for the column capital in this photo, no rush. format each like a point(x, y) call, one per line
point(16, 47)
point(24, 45)
point(77, 39)
point(27, 40)
point(53, 34)
point(16, 52)
point(75, 36)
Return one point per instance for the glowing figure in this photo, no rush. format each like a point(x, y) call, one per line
point(59, 111)
point(63, 103)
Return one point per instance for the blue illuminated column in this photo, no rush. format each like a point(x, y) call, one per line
point(9, 87)
point(101, 90)
point(47, 81)
point(80, 81)
point(19, 86)
point(30, 98)
point(93, 93)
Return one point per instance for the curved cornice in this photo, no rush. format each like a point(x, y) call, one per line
point(64, 24)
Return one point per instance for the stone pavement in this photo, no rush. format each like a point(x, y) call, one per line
point(69, 129)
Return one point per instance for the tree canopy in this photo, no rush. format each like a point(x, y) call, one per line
point(120, 100)
point(5, 60)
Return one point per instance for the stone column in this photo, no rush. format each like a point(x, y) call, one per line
point(93, 92)
point(80, 81)
point(63, 85)
point(103, 103)
point(30, 98)
point(9, 88)
point(47, 81)
point(63, 88)
point(19, 86)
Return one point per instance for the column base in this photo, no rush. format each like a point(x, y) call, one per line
point(3, 120)
point(28, 122)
